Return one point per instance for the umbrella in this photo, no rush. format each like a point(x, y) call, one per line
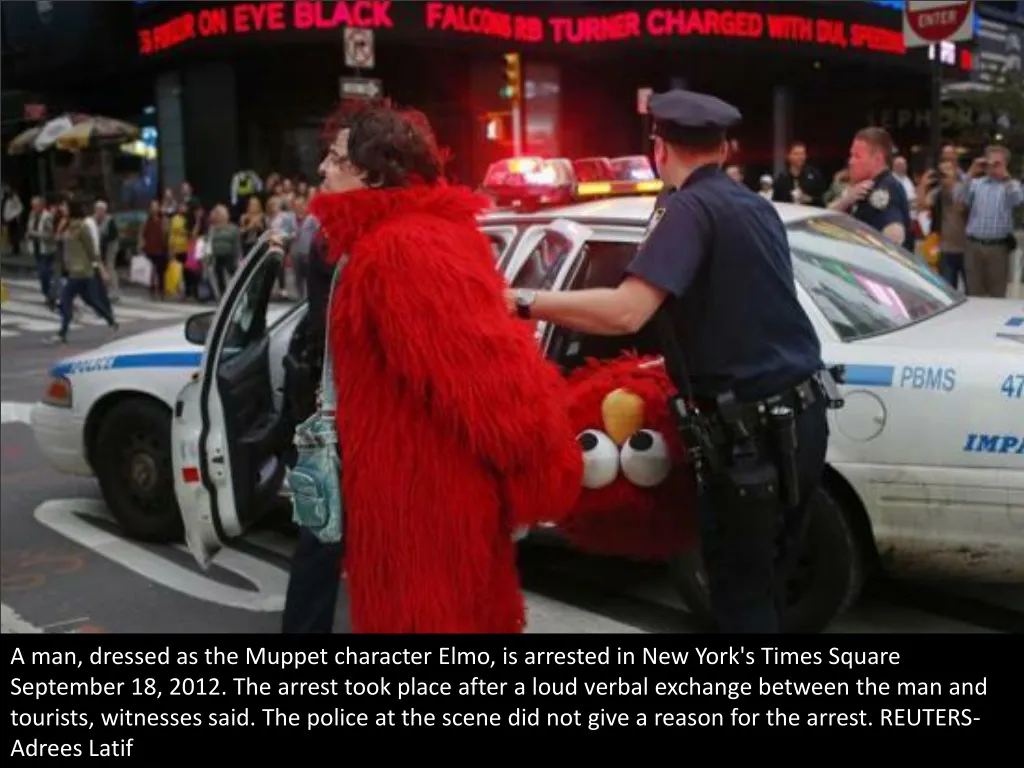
point(96, 130)
point(22, 143)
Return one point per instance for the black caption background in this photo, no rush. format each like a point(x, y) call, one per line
point(206, 688)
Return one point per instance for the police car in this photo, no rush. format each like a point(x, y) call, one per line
point(926, 459)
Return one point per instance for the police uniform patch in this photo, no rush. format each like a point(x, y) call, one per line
point(879, 199)
point(652, 224)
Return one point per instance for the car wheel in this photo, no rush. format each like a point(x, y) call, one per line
point(133, 463)
point(827, 578)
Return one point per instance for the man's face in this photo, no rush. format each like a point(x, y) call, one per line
point(864, 161)
point(99, 213)
point(734, 173)
point(37, 205)
point(186, 190)
point(797, 156)
point(336, 169)
point(899, 166)
point(997, 165)
point(948, 154)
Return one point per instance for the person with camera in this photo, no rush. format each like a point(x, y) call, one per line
point(939, 193)
point(990, 199)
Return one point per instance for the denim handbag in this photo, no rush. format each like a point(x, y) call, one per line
point(315, 480)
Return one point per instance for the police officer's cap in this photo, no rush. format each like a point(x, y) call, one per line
point(689, 118)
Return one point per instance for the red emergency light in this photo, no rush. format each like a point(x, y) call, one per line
point(535, 182)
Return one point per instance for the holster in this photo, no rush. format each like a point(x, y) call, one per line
point(749, 495)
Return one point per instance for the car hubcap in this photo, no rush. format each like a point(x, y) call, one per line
point(141, 461)
point(144, 472)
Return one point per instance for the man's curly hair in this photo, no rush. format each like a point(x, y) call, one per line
point(393, 147)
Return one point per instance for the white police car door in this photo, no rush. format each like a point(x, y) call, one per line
point(232, 426)
point(543, 259)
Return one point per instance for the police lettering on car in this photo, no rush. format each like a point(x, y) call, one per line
point(713, 273)
point(874, 195)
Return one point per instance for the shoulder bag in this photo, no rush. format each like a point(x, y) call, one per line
point(315, 480)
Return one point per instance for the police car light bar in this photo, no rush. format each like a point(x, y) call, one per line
point(533, 182)
point(607, 188)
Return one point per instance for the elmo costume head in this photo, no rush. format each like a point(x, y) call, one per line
point(637, 498)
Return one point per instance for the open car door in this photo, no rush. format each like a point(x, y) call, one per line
point(233, 424)
point(543, 260)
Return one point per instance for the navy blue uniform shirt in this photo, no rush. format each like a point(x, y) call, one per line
point(722, 251)
point(886, 204)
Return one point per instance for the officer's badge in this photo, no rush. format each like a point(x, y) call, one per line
point(652, 224)
point(879, 199)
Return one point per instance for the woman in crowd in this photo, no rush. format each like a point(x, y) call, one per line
point(153, 242)
point(225, 244)
point(254, 224)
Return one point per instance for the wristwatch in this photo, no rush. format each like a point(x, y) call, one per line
point(524, 301)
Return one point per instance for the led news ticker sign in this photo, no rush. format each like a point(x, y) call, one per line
point(490, 22)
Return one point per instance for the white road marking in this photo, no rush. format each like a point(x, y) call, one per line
point(24, 313)
point(15, 413)
point(70, 518)
point(11, 623)
point(65, 622)
point(19, 309)
point(269, 582)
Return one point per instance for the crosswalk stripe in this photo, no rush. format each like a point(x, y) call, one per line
point(21, 308)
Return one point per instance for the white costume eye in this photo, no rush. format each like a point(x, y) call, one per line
point(645, 459)
point(600, 459)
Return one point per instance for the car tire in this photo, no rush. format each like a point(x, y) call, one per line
point(828, 579)
point(132, 459)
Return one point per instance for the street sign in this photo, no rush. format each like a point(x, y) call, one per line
point(360, 88)
point(927, 22)
point(997, 57)
point(359, 48)
point(643, 96)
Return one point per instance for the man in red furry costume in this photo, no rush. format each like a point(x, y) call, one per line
point(638, 497)
point(453, 429)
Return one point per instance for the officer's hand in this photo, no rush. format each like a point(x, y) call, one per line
point(857, 192)
point(277, 240)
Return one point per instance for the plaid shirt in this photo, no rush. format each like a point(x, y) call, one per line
point(991, 205)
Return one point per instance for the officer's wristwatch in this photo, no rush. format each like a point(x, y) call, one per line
point(524, 301)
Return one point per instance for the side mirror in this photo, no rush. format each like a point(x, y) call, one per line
point(197, 328)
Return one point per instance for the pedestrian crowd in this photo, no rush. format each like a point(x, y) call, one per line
point(962, 219)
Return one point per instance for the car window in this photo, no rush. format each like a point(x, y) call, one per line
point(862, 283)
point(497, 245)
point(604, 264)
point(248, 322)
point(544, 262)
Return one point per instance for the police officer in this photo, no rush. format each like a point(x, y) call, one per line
point(714, 264)
point(874, 196)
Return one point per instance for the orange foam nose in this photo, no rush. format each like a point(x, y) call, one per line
point(623, 414)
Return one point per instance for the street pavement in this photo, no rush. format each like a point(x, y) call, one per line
point(66, 568)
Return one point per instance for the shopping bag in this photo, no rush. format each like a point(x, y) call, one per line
point(141, 271)
point(172, 278)
point(930, 250)
point(196, 253)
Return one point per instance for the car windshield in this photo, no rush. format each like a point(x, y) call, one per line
point(861, 282)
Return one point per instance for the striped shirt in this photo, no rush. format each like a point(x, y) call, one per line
point(991, 205)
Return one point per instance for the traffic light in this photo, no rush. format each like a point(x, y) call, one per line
point(513, 90)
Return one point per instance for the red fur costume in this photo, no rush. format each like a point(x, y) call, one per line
point(652, 521)
point(453, 428)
